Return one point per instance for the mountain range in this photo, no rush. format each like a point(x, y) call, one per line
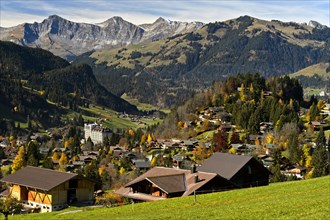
point(69, 39)
point(168, 71)
point(166, 62)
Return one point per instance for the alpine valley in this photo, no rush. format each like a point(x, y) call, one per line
point(166, 62)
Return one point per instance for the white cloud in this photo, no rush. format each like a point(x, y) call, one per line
point(147, 11)
point(14, 18)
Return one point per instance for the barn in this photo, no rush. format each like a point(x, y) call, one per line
point(48, 190)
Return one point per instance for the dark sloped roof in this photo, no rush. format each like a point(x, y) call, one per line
point(38, 178)
point(225, 165)
point(142, 164)
point(157, 171)
point(170, 180)
point(170, 184)
point(203, 178)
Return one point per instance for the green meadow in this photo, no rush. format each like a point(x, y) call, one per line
point(306, 199)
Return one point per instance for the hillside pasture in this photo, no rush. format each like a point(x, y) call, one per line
point(307, 199)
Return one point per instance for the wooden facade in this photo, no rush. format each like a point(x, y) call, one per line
point(71, 188)
point(221, 172)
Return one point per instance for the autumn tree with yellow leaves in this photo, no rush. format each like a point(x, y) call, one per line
point(180, 124)
point(150, 137)
point(242, 93)
point(63, 160)
point(122, 170)
point(19, 160)
point(232, 150)
point(55, 156)
point(306, 158)
point(153, 162)
point(143, 139)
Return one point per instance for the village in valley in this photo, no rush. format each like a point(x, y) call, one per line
point(177, 110)
point(90, 164)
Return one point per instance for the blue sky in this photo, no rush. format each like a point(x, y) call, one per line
point(14, 12)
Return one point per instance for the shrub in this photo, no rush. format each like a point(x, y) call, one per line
point(110, 199)
point(135, 55)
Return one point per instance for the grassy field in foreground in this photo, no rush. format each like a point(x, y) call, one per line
point(308, 199)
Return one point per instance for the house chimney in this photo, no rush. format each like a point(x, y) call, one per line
point(196, 178)
point(193, 168)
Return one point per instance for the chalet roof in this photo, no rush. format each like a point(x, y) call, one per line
point(4, 193)
point(142, 163)
point(89, 157)
point(238, 146)
point(38, 178)
point(189, 142)
point(170, 184)
point(170, 180)
point(271, 146)
point(203, 178)
point(157, 171)
point(315, 123)
point(117, 148)
point(226, 165)
point(91, 153)
point(178, 158)
point(59, 149)
point(78, 163)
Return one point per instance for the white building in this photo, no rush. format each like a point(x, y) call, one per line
point(96, 132)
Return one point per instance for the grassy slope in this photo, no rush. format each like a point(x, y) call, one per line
point(308, 199)
point(143, 106)
point(319, 69)
point(112, 120)
point(91, 114)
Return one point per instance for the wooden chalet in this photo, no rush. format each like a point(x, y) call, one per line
point(161, 183)
point(242, 171)
point(219, 173)
point(47, 189)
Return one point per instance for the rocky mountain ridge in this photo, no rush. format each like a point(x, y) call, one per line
point(69, 39)
point(316, 24)
point(166, 72)
point(163, 28)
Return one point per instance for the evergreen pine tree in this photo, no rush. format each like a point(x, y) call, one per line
point(320, 157)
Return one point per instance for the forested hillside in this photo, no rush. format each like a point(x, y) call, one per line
point(167, 72)
point(248, 109)
point(249, 99)
point(36, 85)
